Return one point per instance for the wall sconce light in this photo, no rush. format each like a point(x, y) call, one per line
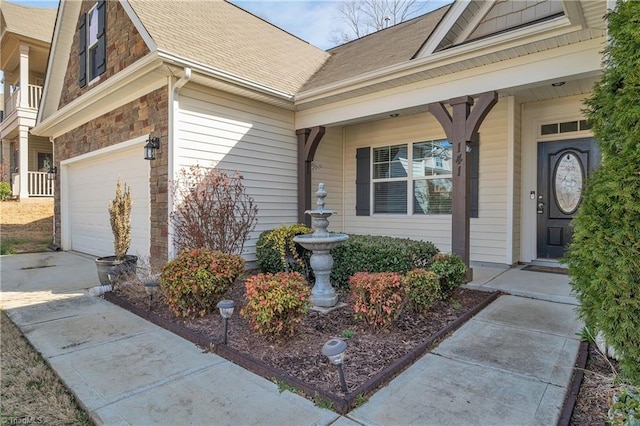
point(51, 174)
point(153, 143)
point(334, 350)
point(226, 310)
point(151, 289)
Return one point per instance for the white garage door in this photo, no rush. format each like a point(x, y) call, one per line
point(91, 184)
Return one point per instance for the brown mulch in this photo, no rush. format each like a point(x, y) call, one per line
point(368, 352)
point(596, 391)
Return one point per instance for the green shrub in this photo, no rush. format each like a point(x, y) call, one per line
point(277, 252)
point(423, 289)
point(378, 254)
point(5, 191)
point(625, 409)
point(195, 281)
point(451, 271)
point(603, 260)
point(276, 303)
point(377, 297)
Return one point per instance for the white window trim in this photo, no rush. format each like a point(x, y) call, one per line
point(409, 179)
point(89, 68)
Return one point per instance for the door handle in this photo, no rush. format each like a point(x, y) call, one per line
point(540, 207)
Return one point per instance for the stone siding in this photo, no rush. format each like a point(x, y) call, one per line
point(124, 47)
point(146, 115)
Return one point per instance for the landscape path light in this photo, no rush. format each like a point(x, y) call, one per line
point(334, 350)
point(151, 288)
point(226, 310)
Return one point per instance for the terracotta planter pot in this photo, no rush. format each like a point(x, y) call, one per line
point(118, 268)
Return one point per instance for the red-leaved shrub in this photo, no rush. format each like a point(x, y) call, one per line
point(195, 281)
point(377, 297)
point(276, 303)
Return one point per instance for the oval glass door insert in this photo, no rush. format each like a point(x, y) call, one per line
point(568, 179)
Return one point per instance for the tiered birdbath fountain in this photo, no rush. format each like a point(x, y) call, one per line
point(320, 243)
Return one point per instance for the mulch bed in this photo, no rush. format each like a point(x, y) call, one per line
point(372, 357)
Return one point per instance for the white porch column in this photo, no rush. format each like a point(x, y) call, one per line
point(7, 91)
point(23, 137)
point(24, 80)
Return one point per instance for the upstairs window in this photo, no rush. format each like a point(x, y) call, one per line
point(93, 43)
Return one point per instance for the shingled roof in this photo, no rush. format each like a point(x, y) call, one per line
point(378, 50)
point(33, 22)
point(221, 35)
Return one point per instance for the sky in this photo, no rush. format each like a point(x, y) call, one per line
point(311, 20)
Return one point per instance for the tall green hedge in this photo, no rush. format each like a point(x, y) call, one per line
point(604, 256)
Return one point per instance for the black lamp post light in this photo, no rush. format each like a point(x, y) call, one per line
point(226, 310)
point(151, 288)
point(153, 143)
point(334, 350)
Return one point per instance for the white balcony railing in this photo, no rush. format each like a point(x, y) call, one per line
point(33, 99)
point(39, 184)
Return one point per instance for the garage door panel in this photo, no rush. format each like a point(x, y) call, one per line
point(91, 186)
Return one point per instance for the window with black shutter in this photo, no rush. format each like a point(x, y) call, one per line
point(93, 46)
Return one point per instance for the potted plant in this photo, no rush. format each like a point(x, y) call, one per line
point(111, 267)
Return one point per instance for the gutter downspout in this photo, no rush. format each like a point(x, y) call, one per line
point(174, 88)
point(53, 246)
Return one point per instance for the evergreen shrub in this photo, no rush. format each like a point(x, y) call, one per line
point(195, 281)
point(276, 303)
point(277, 252)
point(368, 253)
point(450, 270)
point(5, 191)
point(603, 260)
point(423, 289)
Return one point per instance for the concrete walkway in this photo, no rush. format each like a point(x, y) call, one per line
point(509, 365)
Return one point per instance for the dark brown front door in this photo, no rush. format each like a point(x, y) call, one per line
point(563, 167)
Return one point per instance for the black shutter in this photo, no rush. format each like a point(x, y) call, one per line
point(475, 176)
point(82, 50)
point(101, 54)
point(363, 181)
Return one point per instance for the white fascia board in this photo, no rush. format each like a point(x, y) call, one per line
point(63, 31)
point(443, 28)
point(575, 61)
point(475, 21)
point(121, 88)
point(142, 30)
point(573, 10)
point(224, 76)
point(546, 30)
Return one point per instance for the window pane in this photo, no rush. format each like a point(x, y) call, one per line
point(569, 126)
point(584, 125)
point(432, 158)
point(93, 26)
point(390, 162)
point(390, 197)
point(549, 129)
point(432, 196)
point(381, 171)
point(93, 62)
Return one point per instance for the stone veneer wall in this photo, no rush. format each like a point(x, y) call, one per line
point(124, 47)
point(148, 114)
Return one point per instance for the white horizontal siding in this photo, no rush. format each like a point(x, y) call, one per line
point(238, 134)
point(488, 232)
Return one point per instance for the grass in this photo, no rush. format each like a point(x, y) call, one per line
point(8, 245)
point(31, 393)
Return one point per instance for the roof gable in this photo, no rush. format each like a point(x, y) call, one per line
point(220, 35)
point(33, 22)
point(393, 45)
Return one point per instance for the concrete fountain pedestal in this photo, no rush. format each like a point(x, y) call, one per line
point(323, 296)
